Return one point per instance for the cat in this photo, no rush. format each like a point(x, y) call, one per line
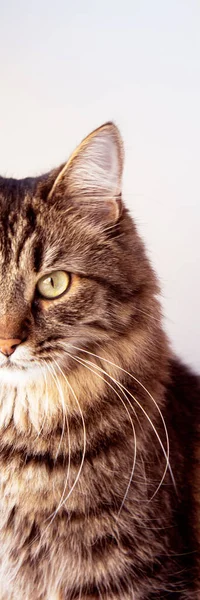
point(99, 421)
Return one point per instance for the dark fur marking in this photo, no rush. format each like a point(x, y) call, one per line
point(29, 229)
point(38, 256)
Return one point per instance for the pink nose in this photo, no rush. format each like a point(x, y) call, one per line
point(7, 347)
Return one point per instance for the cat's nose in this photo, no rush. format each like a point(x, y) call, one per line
point(7, 347)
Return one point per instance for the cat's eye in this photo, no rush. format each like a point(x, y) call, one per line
point(54, 284)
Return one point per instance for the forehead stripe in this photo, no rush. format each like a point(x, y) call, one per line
point(28, 230)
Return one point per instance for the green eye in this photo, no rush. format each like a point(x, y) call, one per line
point(54, 284)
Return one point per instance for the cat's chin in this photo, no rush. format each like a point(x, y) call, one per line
point(14, 375)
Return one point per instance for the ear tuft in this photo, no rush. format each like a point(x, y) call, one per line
point(94, 171)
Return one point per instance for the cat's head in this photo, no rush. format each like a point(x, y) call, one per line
point(73, 272)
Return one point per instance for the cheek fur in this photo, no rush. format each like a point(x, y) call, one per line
point(82, 303)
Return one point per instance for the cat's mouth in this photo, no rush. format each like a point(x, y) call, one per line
point(21, 359)
point(11, 364)
point(21, 372)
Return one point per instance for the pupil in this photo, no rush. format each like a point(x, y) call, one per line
point(52, 281)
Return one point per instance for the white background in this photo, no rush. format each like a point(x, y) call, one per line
point(66, 67)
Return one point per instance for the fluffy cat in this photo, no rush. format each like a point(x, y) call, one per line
point(99, 421)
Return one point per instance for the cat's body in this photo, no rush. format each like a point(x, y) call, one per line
point(99, 423)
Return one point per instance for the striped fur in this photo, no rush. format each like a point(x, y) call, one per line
point(89, 508)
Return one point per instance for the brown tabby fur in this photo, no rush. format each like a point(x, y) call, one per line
point(106, 541)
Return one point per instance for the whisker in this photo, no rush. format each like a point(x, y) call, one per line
point(46, 401)
point(165, 452)
point(154, 428)
point(63, 500)
point(146, 414)
point(59, 388)
point(61, 396)
point(82, 362)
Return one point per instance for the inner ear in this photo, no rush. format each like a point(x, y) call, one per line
point(92, 176)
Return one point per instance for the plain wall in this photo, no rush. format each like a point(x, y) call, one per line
point(68, 67)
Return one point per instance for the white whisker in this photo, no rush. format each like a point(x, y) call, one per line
point(147, 416)
point(61, 396)
point(46, 401)
point(154, 429)
point(165, 452)
point(82, 362)
point(64, 500)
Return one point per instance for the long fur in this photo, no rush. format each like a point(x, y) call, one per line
point(99, 421)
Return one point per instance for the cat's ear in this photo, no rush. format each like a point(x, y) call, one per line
point(93, 173)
